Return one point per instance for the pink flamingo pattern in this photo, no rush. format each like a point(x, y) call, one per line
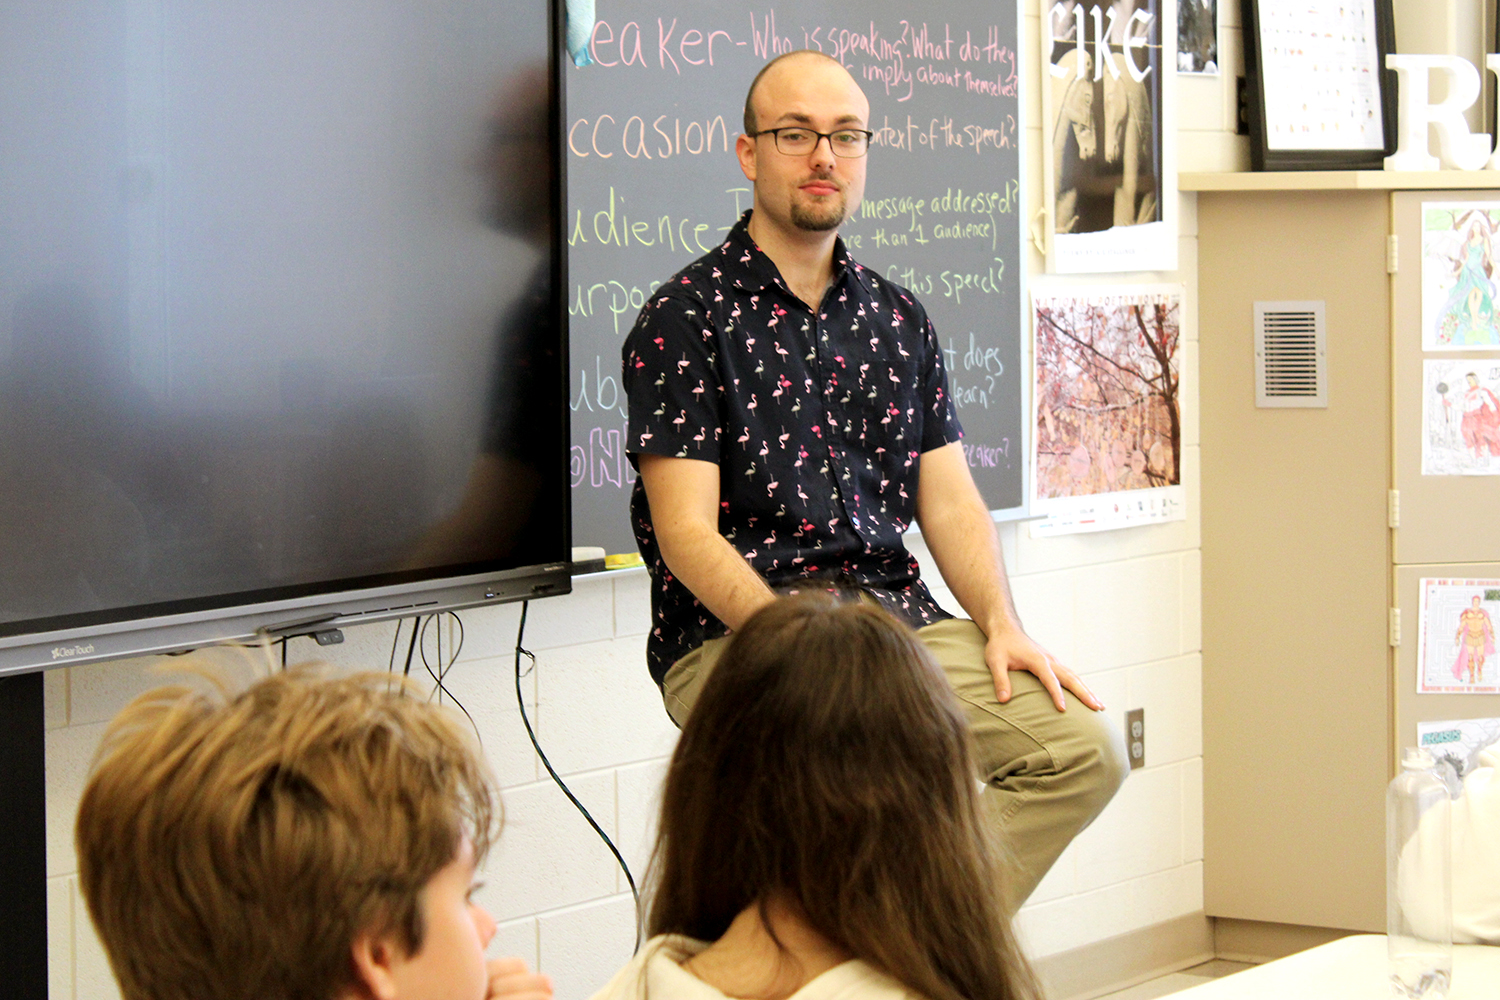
point(817, 420)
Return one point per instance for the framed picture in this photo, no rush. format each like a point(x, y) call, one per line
point(1318, 92)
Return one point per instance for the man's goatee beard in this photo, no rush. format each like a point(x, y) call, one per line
point(814, 221)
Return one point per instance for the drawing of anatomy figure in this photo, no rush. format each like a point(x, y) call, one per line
point(1476, 640)
point(1468, 314)
point(1481, 419)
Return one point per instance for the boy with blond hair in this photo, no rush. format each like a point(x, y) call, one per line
point(314, 836)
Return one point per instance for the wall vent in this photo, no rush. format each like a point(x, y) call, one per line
point(1291, 354)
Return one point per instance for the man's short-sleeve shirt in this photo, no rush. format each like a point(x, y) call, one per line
point(817, 421)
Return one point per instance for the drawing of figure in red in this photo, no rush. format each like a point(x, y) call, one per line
point(1481, 420)
point(1476, 639)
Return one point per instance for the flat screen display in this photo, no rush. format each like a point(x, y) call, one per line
point(279, 302)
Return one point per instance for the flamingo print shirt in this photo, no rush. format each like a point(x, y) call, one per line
point(816, 420)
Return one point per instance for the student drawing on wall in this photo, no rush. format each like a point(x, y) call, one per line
point(1481, 419)
point(1104, 140)
point(1467, 316)
point(1476, 640)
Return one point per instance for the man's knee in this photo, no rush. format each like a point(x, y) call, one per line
point(1096, 758)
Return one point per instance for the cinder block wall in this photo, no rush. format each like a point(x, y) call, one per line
point(1122, 607)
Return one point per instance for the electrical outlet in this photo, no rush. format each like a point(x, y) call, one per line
point(1135, 737)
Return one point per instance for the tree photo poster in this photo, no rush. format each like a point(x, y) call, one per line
point(1107, 424)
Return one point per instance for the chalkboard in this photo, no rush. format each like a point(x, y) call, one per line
point(653, 184)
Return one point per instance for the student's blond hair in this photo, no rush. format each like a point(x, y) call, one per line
point(235, 845)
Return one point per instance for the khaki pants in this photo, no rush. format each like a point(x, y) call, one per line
point(1047, 773)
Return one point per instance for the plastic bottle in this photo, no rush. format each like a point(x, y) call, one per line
point(1419, 917)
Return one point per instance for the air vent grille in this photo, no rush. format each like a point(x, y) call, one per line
point(1291, 354)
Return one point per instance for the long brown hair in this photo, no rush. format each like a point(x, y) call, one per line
point(826, 763)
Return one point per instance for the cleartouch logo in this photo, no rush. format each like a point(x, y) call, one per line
point(64, 652)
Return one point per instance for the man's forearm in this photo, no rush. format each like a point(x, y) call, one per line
point(966, 548)
point(961, 536)
point(715, 572)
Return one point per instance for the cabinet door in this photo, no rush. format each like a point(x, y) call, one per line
point(1449, 517)
point(1440, 633)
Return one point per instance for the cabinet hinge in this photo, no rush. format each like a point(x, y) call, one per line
point(1391, 259)
point(1395, 626)
point(1393, 509)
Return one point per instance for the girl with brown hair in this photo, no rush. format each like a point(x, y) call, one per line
point(820, 833)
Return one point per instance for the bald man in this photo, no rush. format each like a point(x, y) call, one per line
point(790, 419)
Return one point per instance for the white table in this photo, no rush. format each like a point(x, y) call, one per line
point(1351, 968)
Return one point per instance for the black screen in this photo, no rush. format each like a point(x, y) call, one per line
point(279, 306)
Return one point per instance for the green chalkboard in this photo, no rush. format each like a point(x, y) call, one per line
point(653, 183)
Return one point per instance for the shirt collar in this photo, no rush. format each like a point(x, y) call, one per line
point(755, 272)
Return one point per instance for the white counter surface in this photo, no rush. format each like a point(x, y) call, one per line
point(1351, 968)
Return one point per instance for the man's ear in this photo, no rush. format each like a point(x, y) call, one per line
point(744, 148)
point(375, 958)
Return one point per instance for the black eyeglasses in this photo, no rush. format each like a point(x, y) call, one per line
point(794, 140)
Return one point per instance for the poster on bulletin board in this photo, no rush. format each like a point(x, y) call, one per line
point(1107, 418)
point(1457, 651)
point(1109, 162)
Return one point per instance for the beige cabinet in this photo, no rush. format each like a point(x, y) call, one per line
point(1305, 700)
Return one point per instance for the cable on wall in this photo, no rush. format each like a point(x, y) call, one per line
point(521, 704)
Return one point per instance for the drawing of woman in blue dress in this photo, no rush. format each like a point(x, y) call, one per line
point(1468, 315)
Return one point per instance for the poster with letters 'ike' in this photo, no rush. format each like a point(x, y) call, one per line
point(1109, 168)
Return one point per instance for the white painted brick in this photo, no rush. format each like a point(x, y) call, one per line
point(1192, 488)
point(1188, 399)
point(55, 698)
point(514, 938)
point(1031, 96)
point(1169, 894)
point(598, 707)
point(1192, 601)
point(1212, 152)
point(1129, 612)
point(632, 602)
point(92, 978)
point(1139, 833)
point(1006, 532)
point(548, 856)
point(585, 615)
point(97, 691)
point(60, 937)
point(487, 689)
point(69, 752)
point(583, 947)
point(1200, 102)
point(1046, 605)
point(1192, 810)
point(1073, 921)
point(1171, 692)
point(1040, 555)
point(490, 632)
point(639, 788)
point(1187, 225)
